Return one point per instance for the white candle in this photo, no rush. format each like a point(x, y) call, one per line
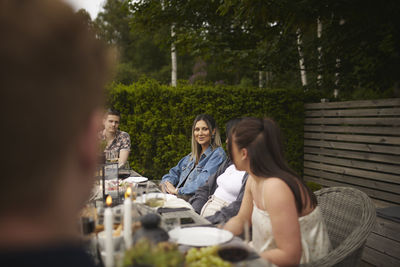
point(128, 219)
point(108, 228)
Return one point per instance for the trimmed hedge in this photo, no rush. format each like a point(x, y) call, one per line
point(159, 118)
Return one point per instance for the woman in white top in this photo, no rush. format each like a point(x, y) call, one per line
point(288, 227)
point(229, 185)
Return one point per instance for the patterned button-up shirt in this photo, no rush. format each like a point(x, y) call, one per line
point(122, 141)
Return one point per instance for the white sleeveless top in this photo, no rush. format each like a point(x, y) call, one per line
point(314, 237)
point(229, 184)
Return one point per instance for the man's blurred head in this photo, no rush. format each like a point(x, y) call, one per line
point(52, 75)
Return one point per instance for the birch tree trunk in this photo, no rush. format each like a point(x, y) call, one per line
point(337, 74)
point(260, 81)
point(319, 33)
point(174, 70)
point(268, 78)
point(303, 73)
point(336, 90)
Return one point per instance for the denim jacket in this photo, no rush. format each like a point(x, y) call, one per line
point(195, 176)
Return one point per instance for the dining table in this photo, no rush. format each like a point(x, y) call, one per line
point(193, 219)
point(188, 218)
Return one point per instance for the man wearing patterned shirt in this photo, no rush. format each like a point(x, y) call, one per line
point(115, 140)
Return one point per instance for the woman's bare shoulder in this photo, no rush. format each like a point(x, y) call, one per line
point(276, 190)
point(272, 183)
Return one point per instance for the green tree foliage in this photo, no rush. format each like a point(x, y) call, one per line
point(227, 47)
point(368, 43)
point(85, 16)
point(159, 118)
point(139, 51)
point(237, 38)
point(364, 35)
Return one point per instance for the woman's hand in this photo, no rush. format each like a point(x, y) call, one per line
point(169, 188)
point(163, 187)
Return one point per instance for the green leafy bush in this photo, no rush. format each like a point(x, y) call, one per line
point(314, 186)
point(159, 118)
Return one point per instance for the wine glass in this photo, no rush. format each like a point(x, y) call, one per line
point(124, 170)
point(124, 166)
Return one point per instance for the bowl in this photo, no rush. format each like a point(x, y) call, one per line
point(233, 253)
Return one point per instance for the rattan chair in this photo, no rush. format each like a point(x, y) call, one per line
point(349, 215)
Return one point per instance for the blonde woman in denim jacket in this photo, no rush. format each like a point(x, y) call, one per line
point(194, 169)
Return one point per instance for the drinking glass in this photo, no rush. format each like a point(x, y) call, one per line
point(124, 170)
point(146, 192)
point(135, 189)
point(108, 155)
point(124, 166)
point(88, 219)
point(139, 194)
point(112, 156)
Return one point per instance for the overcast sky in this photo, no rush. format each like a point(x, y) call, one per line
point(92, 6)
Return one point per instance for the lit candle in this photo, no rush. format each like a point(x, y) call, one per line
point(128, 218)
point(108, 228)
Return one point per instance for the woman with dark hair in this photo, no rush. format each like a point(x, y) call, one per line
point(288, 227)
point(194, 169)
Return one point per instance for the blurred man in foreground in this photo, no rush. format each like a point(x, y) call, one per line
point(52, 74)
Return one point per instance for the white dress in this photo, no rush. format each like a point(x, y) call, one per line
point(314, 237)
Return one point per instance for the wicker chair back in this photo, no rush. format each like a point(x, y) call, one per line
point(350, 216)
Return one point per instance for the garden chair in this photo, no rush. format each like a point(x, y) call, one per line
point(349, 215)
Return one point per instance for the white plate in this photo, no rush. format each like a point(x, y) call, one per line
point(200, 236)
point(135, 179)
point(154, 195)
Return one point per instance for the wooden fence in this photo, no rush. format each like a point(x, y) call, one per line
point(357, 144)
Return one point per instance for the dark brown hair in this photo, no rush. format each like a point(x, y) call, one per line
point(262, 139)
point(52, 76)
point(113, 112)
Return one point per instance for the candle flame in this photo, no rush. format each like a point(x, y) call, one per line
point(128, 192)
point(108, 201)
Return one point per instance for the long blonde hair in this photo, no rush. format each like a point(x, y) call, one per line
point(215, 138)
